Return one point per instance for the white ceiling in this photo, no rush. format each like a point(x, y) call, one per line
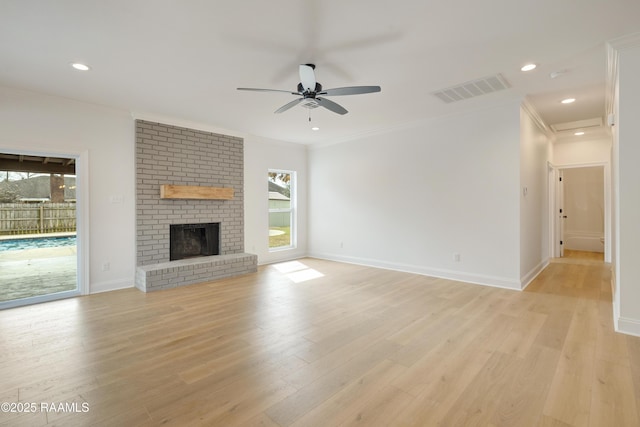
point(184, 59)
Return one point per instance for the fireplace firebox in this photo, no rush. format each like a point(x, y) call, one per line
point(194, 240)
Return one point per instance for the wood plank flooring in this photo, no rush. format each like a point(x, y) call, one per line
point(319, 343)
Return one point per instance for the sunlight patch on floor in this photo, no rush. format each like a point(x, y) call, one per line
point(297, 271)
point(305, 275)
point(288, 267)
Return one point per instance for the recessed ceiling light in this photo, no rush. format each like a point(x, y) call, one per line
point(579, 133)
point(80, 67)
point(528, 67)
point(568, 101)
point(315, 128)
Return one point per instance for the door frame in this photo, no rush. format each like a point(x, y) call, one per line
point(554, 172)
point(82, 227)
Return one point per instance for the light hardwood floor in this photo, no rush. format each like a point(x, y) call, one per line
point(319, 343)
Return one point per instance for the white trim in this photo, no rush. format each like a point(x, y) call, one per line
point(614, 47)
point(477, 279)
point(628, 326)
point(272, 258)
point(292, 210)
point(580, 165)
point(38, 299)
point(584, 240)
point(614, 298)
point(532, 274)
point(110, 285)
point(612, 80)
point(608, 231)
point(82, 215)
point(533, 114)
point(552, 178)
point(629, 41)
point(83, 222)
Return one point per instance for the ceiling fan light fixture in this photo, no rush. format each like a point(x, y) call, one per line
point(528, 67)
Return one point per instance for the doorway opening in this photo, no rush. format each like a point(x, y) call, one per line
point(38, 229)
point(580, 211)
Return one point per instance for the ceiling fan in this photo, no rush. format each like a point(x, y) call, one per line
point(312, 95)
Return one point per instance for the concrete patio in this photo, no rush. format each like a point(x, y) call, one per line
point(33, 272)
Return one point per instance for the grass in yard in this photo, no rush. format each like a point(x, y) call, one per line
point(280, 240)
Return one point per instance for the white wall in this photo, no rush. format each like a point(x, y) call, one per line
point(627, 176)
point(534, 223)
point(412, 198)
point(582, 152)
point(260, 155)
point(46, 124)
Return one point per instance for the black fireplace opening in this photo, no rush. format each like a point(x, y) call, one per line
point(194, 240)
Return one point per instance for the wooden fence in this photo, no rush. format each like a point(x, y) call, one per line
point(40, 218)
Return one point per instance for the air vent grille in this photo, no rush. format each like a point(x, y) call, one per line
point(472, 89)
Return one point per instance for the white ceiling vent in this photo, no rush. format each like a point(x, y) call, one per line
point(577, 125)
point(472, 89)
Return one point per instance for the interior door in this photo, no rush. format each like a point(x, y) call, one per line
point(561, 213)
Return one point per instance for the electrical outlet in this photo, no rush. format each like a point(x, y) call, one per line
point(456, 258)
point(341, 245)
point(106, 266)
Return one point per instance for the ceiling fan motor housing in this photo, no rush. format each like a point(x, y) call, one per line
point(317, 89)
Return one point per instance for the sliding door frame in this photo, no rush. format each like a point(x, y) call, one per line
point(82, 228)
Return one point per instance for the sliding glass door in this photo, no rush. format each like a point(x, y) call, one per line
point(38, 229)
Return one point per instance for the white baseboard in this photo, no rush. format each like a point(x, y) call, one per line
point(280, 256)
point(583, 241)
point(624, 325)
point(628, 326)
point(111, 285)
point(477, 279)
point(533, 273)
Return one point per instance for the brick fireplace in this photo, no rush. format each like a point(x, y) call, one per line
point(174, 155)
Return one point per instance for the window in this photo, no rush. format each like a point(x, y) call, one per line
point(281, 209)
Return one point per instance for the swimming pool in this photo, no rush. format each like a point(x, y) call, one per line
point(41, 242)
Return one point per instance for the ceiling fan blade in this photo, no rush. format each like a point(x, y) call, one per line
point(308, 77)
point(268, 90)
point(331, 106)
point(351, 90)
point(289, 105)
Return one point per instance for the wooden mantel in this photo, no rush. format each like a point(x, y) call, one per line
point(195, 192)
